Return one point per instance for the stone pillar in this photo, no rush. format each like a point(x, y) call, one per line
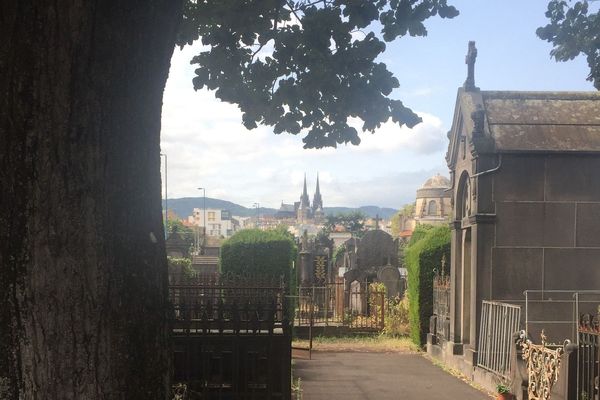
point(306, 268)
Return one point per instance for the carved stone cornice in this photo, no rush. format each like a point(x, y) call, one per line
point(482, 219)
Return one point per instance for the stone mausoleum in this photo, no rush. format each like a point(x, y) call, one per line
point(526, 216)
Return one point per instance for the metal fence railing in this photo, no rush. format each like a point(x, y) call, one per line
point(558, 312)
point(588, 366)
point(359, 308)
point(499, 321)
point(441, 306)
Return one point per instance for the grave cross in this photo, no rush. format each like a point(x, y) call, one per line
point(470, 61)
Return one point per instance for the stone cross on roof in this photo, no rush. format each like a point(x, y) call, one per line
point(470, 61)
point(377, 219)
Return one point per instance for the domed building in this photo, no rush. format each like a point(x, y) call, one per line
point(433, 205)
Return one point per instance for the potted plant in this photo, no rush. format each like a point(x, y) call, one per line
point(503, 392)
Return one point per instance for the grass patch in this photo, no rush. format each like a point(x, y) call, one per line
point(381, 344)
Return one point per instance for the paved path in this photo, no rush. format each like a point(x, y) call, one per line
point(378, 376)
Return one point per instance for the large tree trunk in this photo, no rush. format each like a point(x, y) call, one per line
point(83, 296)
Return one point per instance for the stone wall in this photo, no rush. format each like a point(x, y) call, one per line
point(547, 232)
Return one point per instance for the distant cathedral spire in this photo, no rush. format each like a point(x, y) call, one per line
point(317, 200)
point(304, 201)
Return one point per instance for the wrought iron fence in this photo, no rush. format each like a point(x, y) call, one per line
point(360, 308)
point(231, 337)
point(441, 306)
point(588, 371)
point(499, 321)
point(226, 304)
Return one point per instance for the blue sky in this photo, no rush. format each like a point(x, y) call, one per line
point(207, 145)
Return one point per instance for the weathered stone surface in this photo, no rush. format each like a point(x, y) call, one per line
point(515, 270)
point(588, 225)
point(542, 108)
point(376, 248)
point(572, 178)
point(571, 269)
point(520, 178)
point(535, 224)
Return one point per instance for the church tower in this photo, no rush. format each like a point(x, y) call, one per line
point(317, 206)
point(304, 208)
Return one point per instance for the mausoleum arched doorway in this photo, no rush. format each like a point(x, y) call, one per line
point(463, 260)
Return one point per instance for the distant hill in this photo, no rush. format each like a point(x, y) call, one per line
point(370, 211)
point(184, 207)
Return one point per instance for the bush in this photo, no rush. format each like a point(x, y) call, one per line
point(419, 233)
point(395, 312)
point(421, 258)
point(259, 253)
point(180, 266)
point(396, 317)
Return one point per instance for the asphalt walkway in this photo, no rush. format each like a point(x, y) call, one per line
point(378, 376)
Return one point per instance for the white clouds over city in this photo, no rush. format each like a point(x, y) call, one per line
point(208, 146)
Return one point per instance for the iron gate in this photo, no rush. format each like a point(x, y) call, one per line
point(360, 308)
point(499, 321)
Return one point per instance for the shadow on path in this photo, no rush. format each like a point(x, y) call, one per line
point(378, 376)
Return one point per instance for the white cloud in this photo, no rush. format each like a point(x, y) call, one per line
point(208, 146)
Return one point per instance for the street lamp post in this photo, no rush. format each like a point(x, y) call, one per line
point(203, 217)
point(166, 198)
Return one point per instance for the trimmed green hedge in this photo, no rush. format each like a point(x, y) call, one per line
point(419, 233)
point(261, 253)
point(421, 258)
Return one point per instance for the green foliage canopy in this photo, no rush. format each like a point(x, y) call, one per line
point(186, 233)
point(421, 258)
point(574, 29)
point(419, 233)
point(352, 221)
point(305, 66)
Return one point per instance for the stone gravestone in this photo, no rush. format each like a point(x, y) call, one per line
point(390, 277)
point(376, 249)
point(176, 245)
point(356, 300)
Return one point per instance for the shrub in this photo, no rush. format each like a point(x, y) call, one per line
point(396, 317)
point(421, 258)
point(181, 266)
point(395, 312)
point(419, 233)
point(259, 253)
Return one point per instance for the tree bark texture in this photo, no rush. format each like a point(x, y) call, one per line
point(83, 276)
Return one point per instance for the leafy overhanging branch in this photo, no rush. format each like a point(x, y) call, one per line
point(573, 30)
point(318, 74)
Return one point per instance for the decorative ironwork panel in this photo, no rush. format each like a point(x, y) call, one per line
point(441, 297)
point(441, 302)
point(543, 367)
point(225, 304)
point(320, 268)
